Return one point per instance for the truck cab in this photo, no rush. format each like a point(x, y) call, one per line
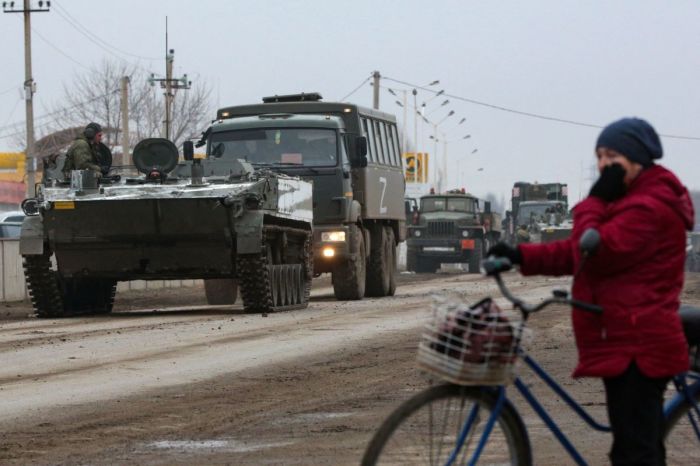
point(453, 227)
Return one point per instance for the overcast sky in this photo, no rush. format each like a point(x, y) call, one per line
point(585, 61)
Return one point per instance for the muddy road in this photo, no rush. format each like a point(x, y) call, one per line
point(168, 380)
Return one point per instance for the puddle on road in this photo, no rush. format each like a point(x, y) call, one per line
point(235, 446)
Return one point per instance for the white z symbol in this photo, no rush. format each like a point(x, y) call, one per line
point(382, 207)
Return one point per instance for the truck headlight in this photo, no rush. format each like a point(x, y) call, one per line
point(416, 233)
point(465, 233)
point(333, 236)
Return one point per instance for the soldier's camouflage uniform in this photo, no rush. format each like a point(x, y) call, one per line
point(82, 155)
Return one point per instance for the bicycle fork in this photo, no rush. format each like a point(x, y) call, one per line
point(469, 423)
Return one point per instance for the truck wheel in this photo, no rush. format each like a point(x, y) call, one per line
point(476, 256)
point(393, 261)
point(349, 276)
point(221, 291)
point(379, 265)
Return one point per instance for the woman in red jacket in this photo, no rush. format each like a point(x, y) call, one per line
point(642, 212)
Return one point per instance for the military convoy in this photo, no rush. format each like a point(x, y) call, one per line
point(282, 182)
point(85, 234)
point(452, 227)
point(539, 213)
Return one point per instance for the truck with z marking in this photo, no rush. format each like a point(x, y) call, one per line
point(352, 156)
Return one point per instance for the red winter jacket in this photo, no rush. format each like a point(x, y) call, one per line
point(636, 276)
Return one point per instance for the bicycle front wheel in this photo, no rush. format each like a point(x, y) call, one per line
point(682, 434)
point(425, 428)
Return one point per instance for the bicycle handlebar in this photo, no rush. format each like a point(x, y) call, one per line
point(494, 266)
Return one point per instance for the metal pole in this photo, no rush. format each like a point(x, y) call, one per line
point(28, 96)
point(375, 101)
point(170, 57)
point(435, 145)
point(405, 120)
point(125, 121)
point(415, 129)
point(444, 159)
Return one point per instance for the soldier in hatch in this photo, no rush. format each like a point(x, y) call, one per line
point(84, 153)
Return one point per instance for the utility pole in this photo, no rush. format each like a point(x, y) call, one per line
point(169, 59)
point(375, 101)
point(405, 121)
point(170, 84)
point(444, 161)
point(438, 176)
point(415, 133)
point(125, 121)
point(29, 86)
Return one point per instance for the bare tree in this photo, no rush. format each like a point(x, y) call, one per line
point(94, 96)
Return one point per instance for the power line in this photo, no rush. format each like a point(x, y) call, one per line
point(56, 112)
point(76, 24)
point(8, 90)
point(50, 44)
point(356, 89)
point(527, 114)
point(87, 34)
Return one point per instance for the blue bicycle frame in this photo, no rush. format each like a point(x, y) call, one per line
point(687, 386)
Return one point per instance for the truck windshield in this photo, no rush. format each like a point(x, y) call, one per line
point(278, 146)
point(450, 204)
point(538, 211)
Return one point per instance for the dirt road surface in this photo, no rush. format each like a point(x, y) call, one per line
point(166, 379)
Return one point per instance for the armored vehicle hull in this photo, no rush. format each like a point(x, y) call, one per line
point(253, 231)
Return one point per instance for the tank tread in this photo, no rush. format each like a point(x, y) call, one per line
point(266, 287)
point(42, 284)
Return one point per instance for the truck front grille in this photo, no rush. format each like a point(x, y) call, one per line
point(441, 228)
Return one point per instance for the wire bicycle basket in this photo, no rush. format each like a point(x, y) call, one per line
point(471, 345)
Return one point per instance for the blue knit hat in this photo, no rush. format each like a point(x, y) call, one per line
point(634, 138)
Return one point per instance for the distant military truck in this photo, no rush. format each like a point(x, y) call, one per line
point(352, 156)
point(454, 227)
point(692, 261)
point(535, 206)
point(170, 222)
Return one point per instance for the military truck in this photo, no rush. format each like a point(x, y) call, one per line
point(692, 259)
point(454, 227)
point(85, 234)
point(352, 156)
point(539, 213)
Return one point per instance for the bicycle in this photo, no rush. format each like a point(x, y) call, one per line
point(470, 419)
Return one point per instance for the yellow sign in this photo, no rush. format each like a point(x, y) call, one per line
point(64, 205)
point(12, 167)
point(416, 167)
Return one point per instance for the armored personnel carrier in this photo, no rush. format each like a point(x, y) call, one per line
point(236, 225)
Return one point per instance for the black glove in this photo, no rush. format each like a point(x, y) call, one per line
point(504, 250)
point(610, 186)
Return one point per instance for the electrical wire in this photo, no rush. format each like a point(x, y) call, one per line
point(103, 47)
point(8, 90)
point(50, 44)
point(523, 113)
point(356, 89)
point(76, 24)
point(55, 112)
